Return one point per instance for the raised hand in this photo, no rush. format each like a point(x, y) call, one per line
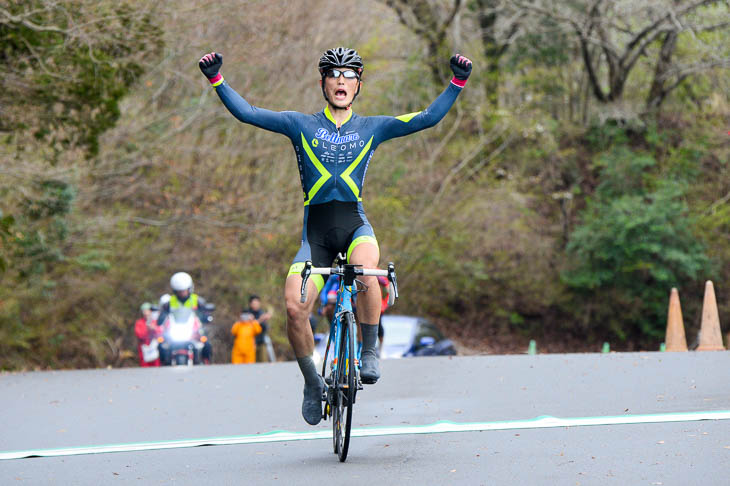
point(461, 66)
point(210, 64)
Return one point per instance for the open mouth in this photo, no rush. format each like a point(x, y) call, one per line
point(340, 94)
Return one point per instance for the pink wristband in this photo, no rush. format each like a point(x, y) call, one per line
point(217, 78)
point(458, 82)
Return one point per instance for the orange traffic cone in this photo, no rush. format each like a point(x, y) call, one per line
point(675, 339)
point(710, 335)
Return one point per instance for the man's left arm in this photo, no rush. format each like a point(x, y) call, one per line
point(402, 125)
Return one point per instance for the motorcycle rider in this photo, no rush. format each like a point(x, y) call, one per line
point(183, 296)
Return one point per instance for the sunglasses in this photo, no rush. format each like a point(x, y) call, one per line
point(335, 73)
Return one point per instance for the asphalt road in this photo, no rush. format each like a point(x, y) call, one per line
point(45, 410)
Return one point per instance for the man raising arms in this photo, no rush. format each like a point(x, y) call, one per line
point(333, 149)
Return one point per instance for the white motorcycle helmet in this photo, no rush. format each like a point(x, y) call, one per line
point(181, 281)
point(164, 299)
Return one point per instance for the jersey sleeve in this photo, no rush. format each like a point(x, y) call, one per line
point(399, 126)
point(274, 121)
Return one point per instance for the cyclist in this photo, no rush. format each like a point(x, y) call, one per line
point(333, 149)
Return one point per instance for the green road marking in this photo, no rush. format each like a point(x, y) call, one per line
point(542, 422)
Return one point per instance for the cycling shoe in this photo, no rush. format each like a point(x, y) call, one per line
point(370, 369)
point(312, 403)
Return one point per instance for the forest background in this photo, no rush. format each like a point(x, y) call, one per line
point(582, 173)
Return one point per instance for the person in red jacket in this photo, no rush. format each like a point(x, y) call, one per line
point(384, 293)
point(146, 330)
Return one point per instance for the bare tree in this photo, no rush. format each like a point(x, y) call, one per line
point(430, 21)
point(498, 24)
point(614, 36)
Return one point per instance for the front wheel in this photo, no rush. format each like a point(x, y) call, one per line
point(345, 387)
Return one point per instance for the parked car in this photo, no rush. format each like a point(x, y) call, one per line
point(405, 336)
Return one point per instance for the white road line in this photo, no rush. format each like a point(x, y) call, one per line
point(441, 427)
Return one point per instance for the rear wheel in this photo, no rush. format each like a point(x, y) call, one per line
point(346, 386)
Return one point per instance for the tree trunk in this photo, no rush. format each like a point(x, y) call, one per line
point(659, 89)
point(492, 51)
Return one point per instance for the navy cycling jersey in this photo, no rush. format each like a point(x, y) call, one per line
point(333, 161)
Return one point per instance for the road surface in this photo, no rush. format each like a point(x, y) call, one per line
point(58, 410)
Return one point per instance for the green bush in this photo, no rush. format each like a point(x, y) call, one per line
point(633, 244)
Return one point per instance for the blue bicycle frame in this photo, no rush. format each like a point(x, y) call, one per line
point(344, 383)
point(343, 304)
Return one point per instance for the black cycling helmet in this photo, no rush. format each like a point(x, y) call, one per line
point(340, 57)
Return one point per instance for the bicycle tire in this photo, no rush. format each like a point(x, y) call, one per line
point(338, 405)
point(348, 384)
point(337, 396)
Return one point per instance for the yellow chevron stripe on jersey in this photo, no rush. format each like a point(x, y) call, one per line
point(408, 117)
point(324, 174)
point(346, 175)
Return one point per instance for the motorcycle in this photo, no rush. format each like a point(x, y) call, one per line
point(183, 338)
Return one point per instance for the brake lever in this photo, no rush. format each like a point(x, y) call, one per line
point(306, 273)
point(394, 282)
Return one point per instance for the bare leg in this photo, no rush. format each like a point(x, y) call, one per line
point(302, 342)
point(368, 303)
point(297, 315)
point(368, 311)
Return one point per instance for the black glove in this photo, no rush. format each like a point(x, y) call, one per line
point(461, 67)
point(210, 64)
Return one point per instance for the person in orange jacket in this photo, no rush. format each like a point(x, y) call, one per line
point(244, 347)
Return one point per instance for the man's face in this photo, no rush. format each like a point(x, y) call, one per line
point(340, 91)
point(255, 304)
point(183, 294)
point(146, 313)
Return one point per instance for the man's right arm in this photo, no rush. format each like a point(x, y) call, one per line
point(279, 122)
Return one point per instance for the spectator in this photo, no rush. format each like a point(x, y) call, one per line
point(313, 320)
point(146, 330)
point(328, 297)
point(384, 293)
point(264, 350)
point(244, 347)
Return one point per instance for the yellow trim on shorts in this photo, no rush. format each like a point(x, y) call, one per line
point(296, 269)
point(357, 241)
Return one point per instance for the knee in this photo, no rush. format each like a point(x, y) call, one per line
point(295, 310)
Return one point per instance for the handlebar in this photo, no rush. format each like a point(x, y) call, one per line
point(350, 271)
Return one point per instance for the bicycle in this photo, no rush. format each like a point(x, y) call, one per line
point(343, 381)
